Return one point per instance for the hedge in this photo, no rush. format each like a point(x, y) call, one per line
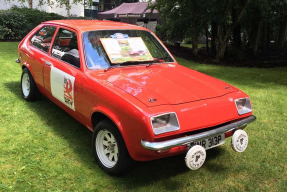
point(16, 22)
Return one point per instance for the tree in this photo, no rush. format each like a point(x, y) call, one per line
point(223, 24)
point(196, 15)
point(30, 2)
point(250, 25)
point(283, 25)
point(182, 19)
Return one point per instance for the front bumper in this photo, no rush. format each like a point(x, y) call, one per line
point(158, 146)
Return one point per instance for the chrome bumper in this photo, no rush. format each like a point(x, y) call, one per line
point(157, 146)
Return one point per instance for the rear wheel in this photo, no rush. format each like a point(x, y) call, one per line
point(29, 89)
point(109, 149)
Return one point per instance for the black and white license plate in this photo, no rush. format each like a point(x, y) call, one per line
point(211, 142)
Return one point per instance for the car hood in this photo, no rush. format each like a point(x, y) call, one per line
point(167, 84)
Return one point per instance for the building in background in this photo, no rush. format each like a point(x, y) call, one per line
point(91, 9)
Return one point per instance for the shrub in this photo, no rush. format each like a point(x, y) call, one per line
point(4, 31)
point(12, 24)
point(16, 22)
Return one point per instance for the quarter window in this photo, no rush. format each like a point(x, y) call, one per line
point(43, 38)
point(65, 47)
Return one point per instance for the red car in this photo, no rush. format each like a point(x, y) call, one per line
point(137, 110)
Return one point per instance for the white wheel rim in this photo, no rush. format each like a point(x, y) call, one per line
point(25, 84)
point(107, 148)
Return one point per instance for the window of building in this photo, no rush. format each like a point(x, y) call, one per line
point(43, 38)
point(65, 47)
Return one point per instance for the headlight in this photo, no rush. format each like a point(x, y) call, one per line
point(243, 105)
point(164, 123)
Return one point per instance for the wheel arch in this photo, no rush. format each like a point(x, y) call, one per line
point(101, 113)
point(26, 65)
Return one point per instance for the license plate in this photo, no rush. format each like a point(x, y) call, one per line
point(211, 142)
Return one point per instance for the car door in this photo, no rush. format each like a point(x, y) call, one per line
point(62, 72)
point(39, 46)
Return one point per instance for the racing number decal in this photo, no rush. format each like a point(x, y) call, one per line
point(62, 87)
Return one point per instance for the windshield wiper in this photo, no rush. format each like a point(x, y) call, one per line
point(130, 62)
point(157, 59)
point(112, 67)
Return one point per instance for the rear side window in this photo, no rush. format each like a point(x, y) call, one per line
point(65, 47)
point(43, 38)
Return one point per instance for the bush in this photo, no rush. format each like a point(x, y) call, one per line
point(4, 31)
point(12, 24)
point(16, 22)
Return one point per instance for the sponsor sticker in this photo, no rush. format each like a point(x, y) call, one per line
point(62, 87)
point(119, 36)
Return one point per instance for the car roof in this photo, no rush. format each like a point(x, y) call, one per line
point(89, 25)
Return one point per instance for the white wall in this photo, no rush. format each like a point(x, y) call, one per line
point(76, 9)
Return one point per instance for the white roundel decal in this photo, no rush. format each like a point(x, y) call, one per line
point(195, 157)
point(239, 141)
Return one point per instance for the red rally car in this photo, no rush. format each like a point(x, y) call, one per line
point(137, 109)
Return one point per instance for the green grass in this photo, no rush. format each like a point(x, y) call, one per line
point(190, 45)
point(44, 149)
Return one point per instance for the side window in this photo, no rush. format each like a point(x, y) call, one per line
point(43, 38)
point(65, 47)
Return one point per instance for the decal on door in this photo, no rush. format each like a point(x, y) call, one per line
point(62, 87)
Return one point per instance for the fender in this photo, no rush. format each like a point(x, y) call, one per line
point(110, 114)
point(130, 143)
point(27, 65)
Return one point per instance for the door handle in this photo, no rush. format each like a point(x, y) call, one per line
point(48, 63)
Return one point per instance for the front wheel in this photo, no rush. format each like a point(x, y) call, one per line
point(109, 149)
point(29, 88)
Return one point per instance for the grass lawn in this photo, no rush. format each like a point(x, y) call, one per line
point(44, 149)
point(190, 45)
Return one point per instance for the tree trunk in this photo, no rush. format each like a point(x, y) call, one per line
point(68, 8)
point(220, 52)
point(31, 4)
point(194, 44)
point(220, 43)
point(256, 37)
point(268, 36)
point(213, 37)
point(236, 31)
point(194, 32)
point(224, 32)
point(206, 37)
point(237, 36)
point(194, 39)
point(282, 33)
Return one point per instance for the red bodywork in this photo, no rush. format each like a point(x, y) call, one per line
point(123, 94)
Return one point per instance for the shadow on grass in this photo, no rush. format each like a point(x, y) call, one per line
point(79, 139)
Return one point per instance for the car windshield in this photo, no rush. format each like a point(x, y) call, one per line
point(106, 48)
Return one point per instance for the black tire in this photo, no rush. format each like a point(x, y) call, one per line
point(124, 162)
point(29, 88)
